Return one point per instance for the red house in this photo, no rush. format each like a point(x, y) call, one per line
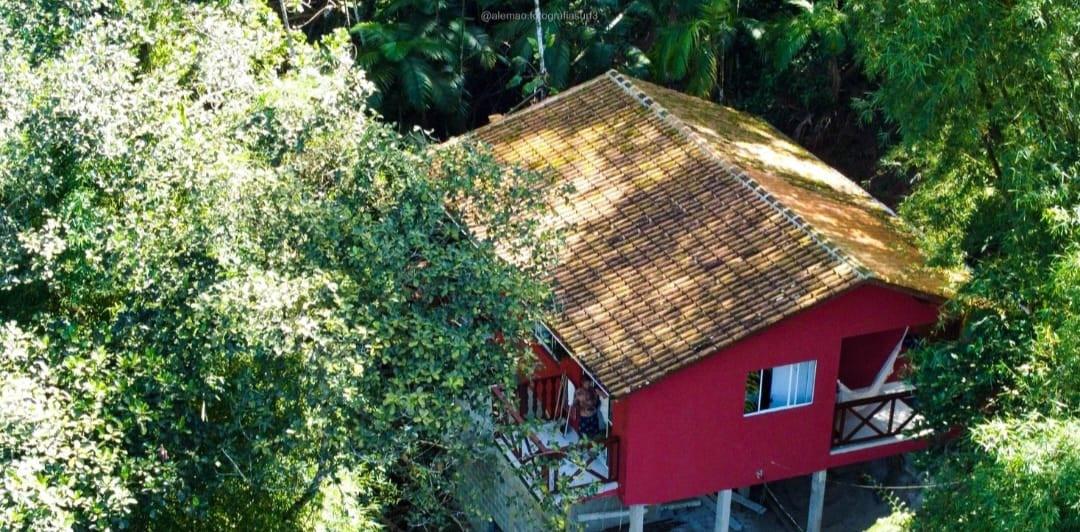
point(741, 307)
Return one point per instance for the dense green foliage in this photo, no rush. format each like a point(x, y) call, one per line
point(418, 62)
point(986, 98)
point(1021, 474)
point(229, 296)
point(447, 65)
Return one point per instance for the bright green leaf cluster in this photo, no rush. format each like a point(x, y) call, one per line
point(229, 296)
point(986, 98)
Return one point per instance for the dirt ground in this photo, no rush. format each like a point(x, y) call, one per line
point(851, 503)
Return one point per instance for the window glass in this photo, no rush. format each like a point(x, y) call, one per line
point(550, 343)
point(780, 387)
point(753, 392)
point(544, 337)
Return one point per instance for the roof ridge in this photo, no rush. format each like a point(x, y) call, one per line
point(526, 110)
point(739, 174)
point(859, 190)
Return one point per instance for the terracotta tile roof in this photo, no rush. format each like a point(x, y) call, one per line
point(691, 226)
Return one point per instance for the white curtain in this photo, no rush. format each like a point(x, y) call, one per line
point(804, 382)
point(792, 384)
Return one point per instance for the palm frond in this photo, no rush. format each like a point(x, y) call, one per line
point(671, 54)
point(557, 61)
point(433, 50)
point(395, 51)
point(830, 25)
point(703, 76)
point(416, 82)
point(790, 37)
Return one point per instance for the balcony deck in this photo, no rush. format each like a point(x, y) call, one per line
point(551, 456)
point(579, 475)
point(882, 419)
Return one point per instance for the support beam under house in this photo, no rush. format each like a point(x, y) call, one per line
point(637, 518)
point(817, 501)
point(723, 511)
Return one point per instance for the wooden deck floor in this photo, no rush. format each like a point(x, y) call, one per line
point(553, 437)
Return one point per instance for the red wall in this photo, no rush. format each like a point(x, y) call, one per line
point(861, 357)
point(547, 366)
point(686, 434)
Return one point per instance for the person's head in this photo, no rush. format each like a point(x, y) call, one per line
point(588, 387)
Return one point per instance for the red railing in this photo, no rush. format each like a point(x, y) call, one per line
point(505, 414)
point(610, 445)
point(551, 465)
point(547, 399)
point(864, 411)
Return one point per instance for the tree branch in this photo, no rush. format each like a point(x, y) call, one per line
point(284, 15)
point(991, 135)
point(309, 493)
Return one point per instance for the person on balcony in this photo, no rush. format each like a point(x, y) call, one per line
point(586, 410)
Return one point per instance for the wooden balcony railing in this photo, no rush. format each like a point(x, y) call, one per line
point(505, 414)
point(550, 466)
point(873, 418)
point(544, 398)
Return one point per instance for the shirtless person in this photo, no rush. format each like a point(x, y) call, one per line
point(587, 406)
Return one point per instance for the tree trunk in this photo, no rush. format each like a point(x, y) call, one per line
point(309, 493)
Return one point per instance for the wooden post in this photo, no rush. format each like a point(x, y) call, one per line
point(637, 518)
point(817, 501)
point(723, 511)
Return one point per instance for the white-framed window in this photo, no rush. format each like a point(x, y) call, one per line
point(780, 387)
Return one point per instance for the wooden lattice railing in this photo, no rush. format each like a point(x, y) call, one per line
point(899, 405)
point(535, 460)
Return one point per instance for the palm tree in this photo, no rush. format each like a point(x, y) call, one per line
point(417, 53)
point(692, 41)
point(576, 47)
point(823, 25)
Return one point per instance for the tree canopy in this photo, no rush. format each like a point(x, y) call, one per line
point(448, 65)
point(236, 290)
point(229, 295)
point(987, 103)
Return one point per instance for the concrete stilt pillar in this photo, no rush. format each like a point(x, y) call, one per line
point(723, 511)
point(637, 518)
point(817, 501)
